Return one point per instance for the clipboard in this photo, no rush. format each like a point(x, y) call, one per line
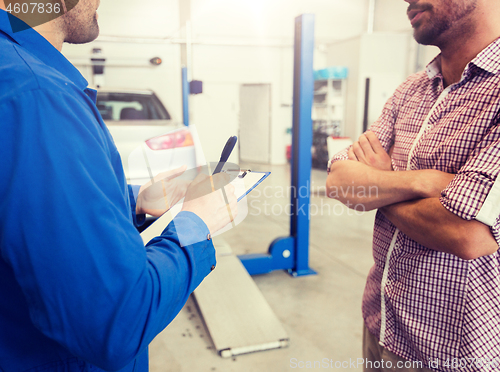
point(244, 183)
point(251, 180)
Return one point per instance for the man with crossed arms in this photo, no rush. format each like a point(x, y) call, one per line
point(433, 294)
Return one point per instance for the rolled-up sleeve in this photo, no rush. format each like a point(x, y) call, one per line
point(89, 282)
point(474, 193)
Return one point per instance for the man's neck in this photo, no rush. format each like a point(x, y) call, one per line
point(460, 50)
point(455, 58)
point(50, 31)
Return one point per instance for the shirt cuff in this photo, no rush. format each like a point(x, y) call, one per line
point(194, 237)
point(190, 228)
point(466, 196)
point(490, 210)
point(342, 155)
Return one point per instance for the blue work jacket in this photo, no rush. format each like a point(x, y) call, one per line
point(78, 289)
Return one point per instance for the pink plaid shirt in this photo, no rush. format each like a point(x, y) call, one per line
point(423, 304)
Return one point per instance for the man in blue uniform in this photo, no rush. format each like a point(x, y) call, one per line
point(79, 292)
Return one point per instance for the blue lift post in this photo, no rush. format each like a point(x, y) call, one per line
point(185, 97)
point(292, 253)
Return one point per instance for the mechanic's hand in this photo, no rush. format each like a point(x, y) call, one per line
point(205, 198)
point(368, 150)
point(155, 198)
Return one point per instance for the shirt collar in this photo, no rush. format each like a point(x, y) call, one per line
point(433, 69)
point(41, 49)
point(488, 60)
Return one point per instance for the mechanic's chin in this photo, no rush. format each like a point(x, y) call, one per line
point(87, 37)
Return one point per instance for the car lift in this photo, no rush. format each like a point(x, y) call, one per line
point(235, 312)
point(292, 253)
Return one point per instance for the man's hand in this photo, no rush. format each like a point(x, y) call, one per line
point(368, 150)
point(162, 193)
point(212, 199)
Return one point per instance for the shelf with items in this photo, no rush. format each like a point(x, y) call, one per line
point(328, 111)
point(329, 106)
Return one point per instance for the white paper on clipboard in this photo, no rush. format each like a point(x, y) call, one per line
point(244, 184)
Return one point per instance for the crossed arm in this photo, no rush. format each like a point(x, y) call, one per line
point(410, 200)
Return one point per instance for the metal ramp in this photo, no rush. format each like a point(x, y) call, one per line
point(236, 314)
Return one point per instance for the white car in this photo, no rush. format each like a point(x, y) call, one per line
point(148, 140)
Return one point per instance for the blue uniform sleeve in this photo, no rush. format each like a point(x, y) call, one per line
point(89, 282)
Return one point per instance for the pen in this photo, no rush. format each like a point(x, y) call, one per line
point(228, 148)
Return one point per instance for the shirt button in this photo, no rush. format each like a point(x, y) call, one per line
point(212, 268)
point(209, 237)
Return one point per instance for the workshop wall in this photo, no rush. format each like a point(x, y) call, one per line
point(335, 19)
point(251, 42)
point(390, 16)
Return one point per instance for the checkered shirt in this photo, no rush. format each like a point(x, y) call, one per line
point(427, 305)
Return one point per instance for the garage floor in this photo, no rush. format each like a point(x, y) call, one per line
point(322, 313)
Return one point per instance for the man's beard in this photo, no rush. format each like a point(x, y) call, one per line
point(79, 31)
point(438, 24)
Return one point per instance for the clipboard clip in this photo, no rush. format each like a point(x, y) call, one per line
point(245, 172)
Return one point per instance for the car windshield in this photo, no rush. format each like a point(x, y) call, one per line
point(130, 106)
